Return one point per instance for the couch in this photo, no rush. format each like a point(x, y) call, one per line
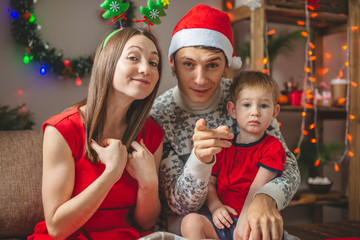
point(20, 185)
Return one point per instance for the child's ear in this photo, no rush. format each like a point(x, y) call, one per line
point(276, 111)
point(230, 106)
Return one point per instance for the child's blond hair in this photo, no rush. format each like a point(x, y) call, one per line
point(253, 79)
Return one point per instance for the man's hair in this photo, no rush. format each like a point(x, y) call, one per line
point(258, 79)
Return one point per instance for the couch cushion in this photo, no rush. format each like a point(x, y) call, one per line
point(20, 182)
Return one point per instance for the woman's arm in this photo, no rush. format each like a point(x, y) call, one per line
point(145, 167)
point(63, 214)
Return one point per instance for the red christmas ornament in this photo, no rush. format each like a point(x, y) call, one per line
point(66, 63)
point(27, 16)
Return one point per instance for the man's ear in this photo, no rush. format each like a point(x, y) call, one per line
point(172, 62)
point(276, 111)
point(230, 106)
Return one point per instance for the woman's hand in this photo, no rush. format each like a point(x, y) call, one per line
point(113, 154)
point(141, 165)
point(221, 216)
point(208, 142)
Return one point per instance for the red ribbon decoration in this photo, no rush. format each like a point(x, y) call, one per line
point(147, 21)
point(116, 18)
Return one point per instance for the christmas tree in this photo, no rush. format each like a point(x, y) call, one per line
point(154, 10)
point(114, 8)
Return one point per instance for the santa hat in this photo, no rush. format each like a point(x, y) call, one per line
point(205, 26)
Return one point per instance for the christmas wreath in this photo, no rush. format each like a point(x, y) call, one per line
point(24, 30)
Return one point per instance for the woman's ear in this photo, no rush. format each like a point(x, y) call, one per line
point(230, 106)
point(172, 62)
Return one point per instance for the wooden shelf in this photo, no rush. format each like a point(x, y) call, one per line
point(322, 22)
point(333, 16)
point(323, 112)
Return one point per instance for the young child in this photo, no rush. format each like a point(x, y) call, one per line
point(254, 159)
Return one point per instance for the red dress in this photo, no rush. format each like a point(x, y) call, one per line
point(113, 218)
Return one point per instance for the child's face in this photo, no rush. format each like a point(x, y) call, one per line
point(254, 110)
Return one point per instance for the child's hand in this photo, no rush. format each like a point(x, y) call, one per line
point(141, 165)
point(208, 142)
point(221, 216)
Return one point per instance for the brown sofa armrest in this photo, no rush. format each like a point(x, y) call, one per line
point(20, 182)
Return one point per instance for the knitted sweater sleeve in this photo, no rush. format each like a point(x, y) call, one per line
point(282, 189)
point(184, 187)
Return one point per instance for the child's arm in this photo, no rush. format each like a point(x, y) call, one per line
point(263, 176)
point(220, 212)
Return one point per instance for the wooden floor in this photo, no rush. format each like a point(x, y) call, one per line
point(322, 231)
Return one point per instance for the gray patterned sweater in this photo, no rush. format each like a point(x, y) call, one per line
point(184, 180)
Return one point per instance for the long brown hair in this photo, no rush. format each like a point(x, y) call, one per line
point(100, 83)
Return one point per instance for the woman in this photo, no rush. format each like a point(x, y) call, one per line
point(195, 120)
point(101, 159)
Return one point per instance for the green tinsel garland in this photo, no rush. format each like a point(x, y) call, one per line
point(26, 34)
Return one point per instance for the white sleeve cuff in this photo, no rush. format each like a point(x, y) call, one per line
point(198, 169)
point(274, 192)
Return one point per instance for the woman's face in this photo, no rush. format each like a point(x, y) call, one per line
point(199, 72)
point(136, 72)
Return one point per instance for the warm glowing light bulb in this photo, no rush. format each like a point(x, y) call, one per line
point(351, 154)
point(349, 137)
point(296, 150)
point(229, 5)
point(301, 23)
point(313, 140)
point(272, 32)
point(317, 162)
point(265, 60)
point(336, 167)
point(304, 34)
point(312, 126)
point(312, 79)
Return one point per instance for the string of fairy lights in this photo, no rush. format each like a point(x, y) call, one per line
point(310, 85)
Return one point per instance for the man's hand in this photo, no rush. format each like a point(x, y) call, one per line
point(208, 142)
point(263, 220)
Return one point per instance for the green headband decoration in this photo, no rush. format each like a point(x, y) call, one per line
point(116, 10)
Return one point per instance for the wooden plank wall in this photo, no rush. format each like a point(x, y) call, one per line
point(354, 127)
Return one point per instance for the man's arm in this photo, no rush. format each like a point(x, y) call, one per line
point(184, 187)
